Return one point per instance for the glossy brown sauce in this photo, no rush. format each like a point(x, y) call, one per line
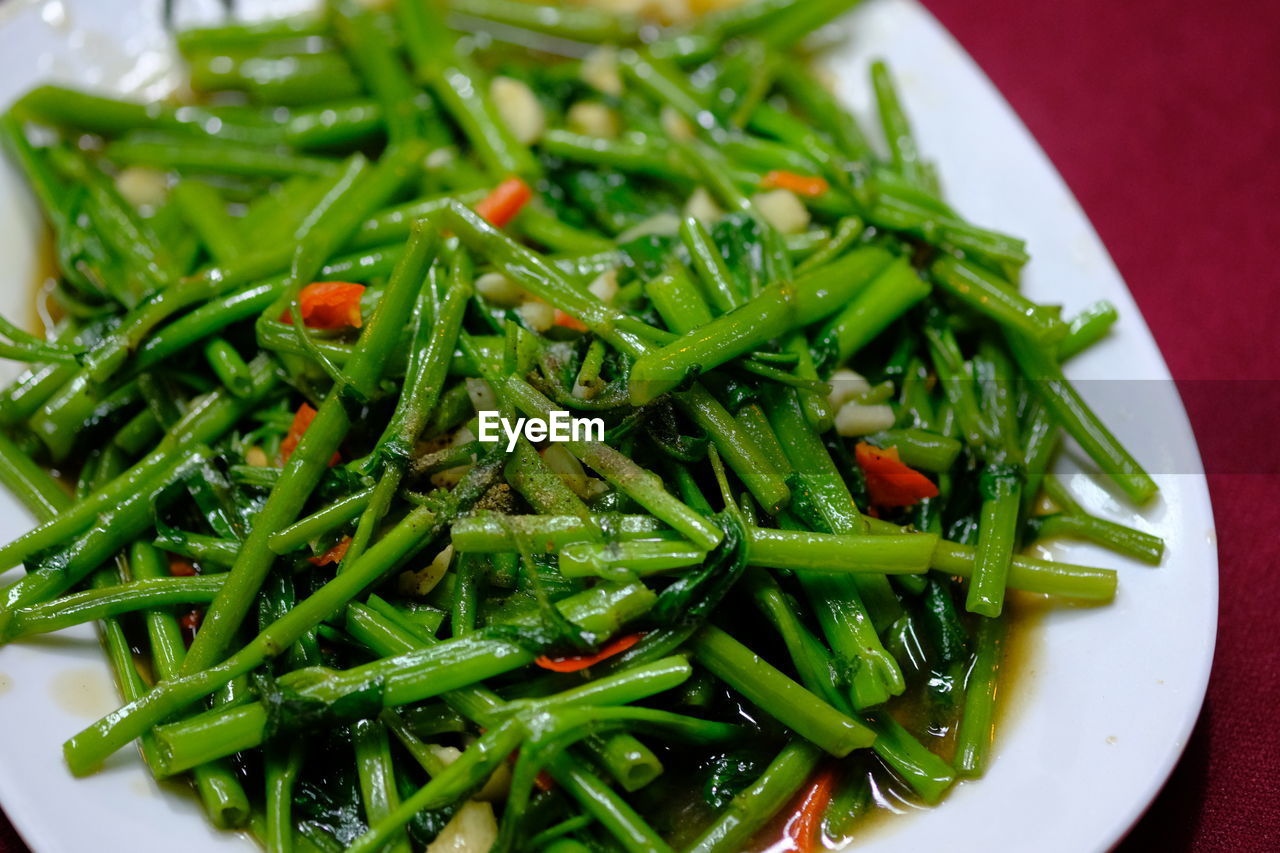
point(85, 691)
point(45, 310)
point(891, 798)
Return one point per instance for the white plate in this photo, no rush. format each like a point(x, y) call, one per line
point(1112, 692)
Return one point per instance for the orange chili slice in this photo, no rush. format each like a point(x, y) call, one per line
point(805, 185)
point(890, 482)
point(580, 662)
point(301, 422)
point(333, 555)
point(329, 305)
point(505, 201)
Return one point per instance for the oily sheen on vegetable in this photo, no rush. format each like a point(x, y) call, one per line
point(782, 578)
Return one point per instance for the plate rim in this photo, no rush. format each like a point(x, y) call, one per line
point(1141, 802)
point(34, 831)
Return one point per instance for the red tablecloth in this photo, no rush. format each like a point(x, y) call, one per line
point(1164, 118)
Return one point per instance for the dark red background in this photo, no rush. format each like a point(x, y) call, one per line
point(1164, 118)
